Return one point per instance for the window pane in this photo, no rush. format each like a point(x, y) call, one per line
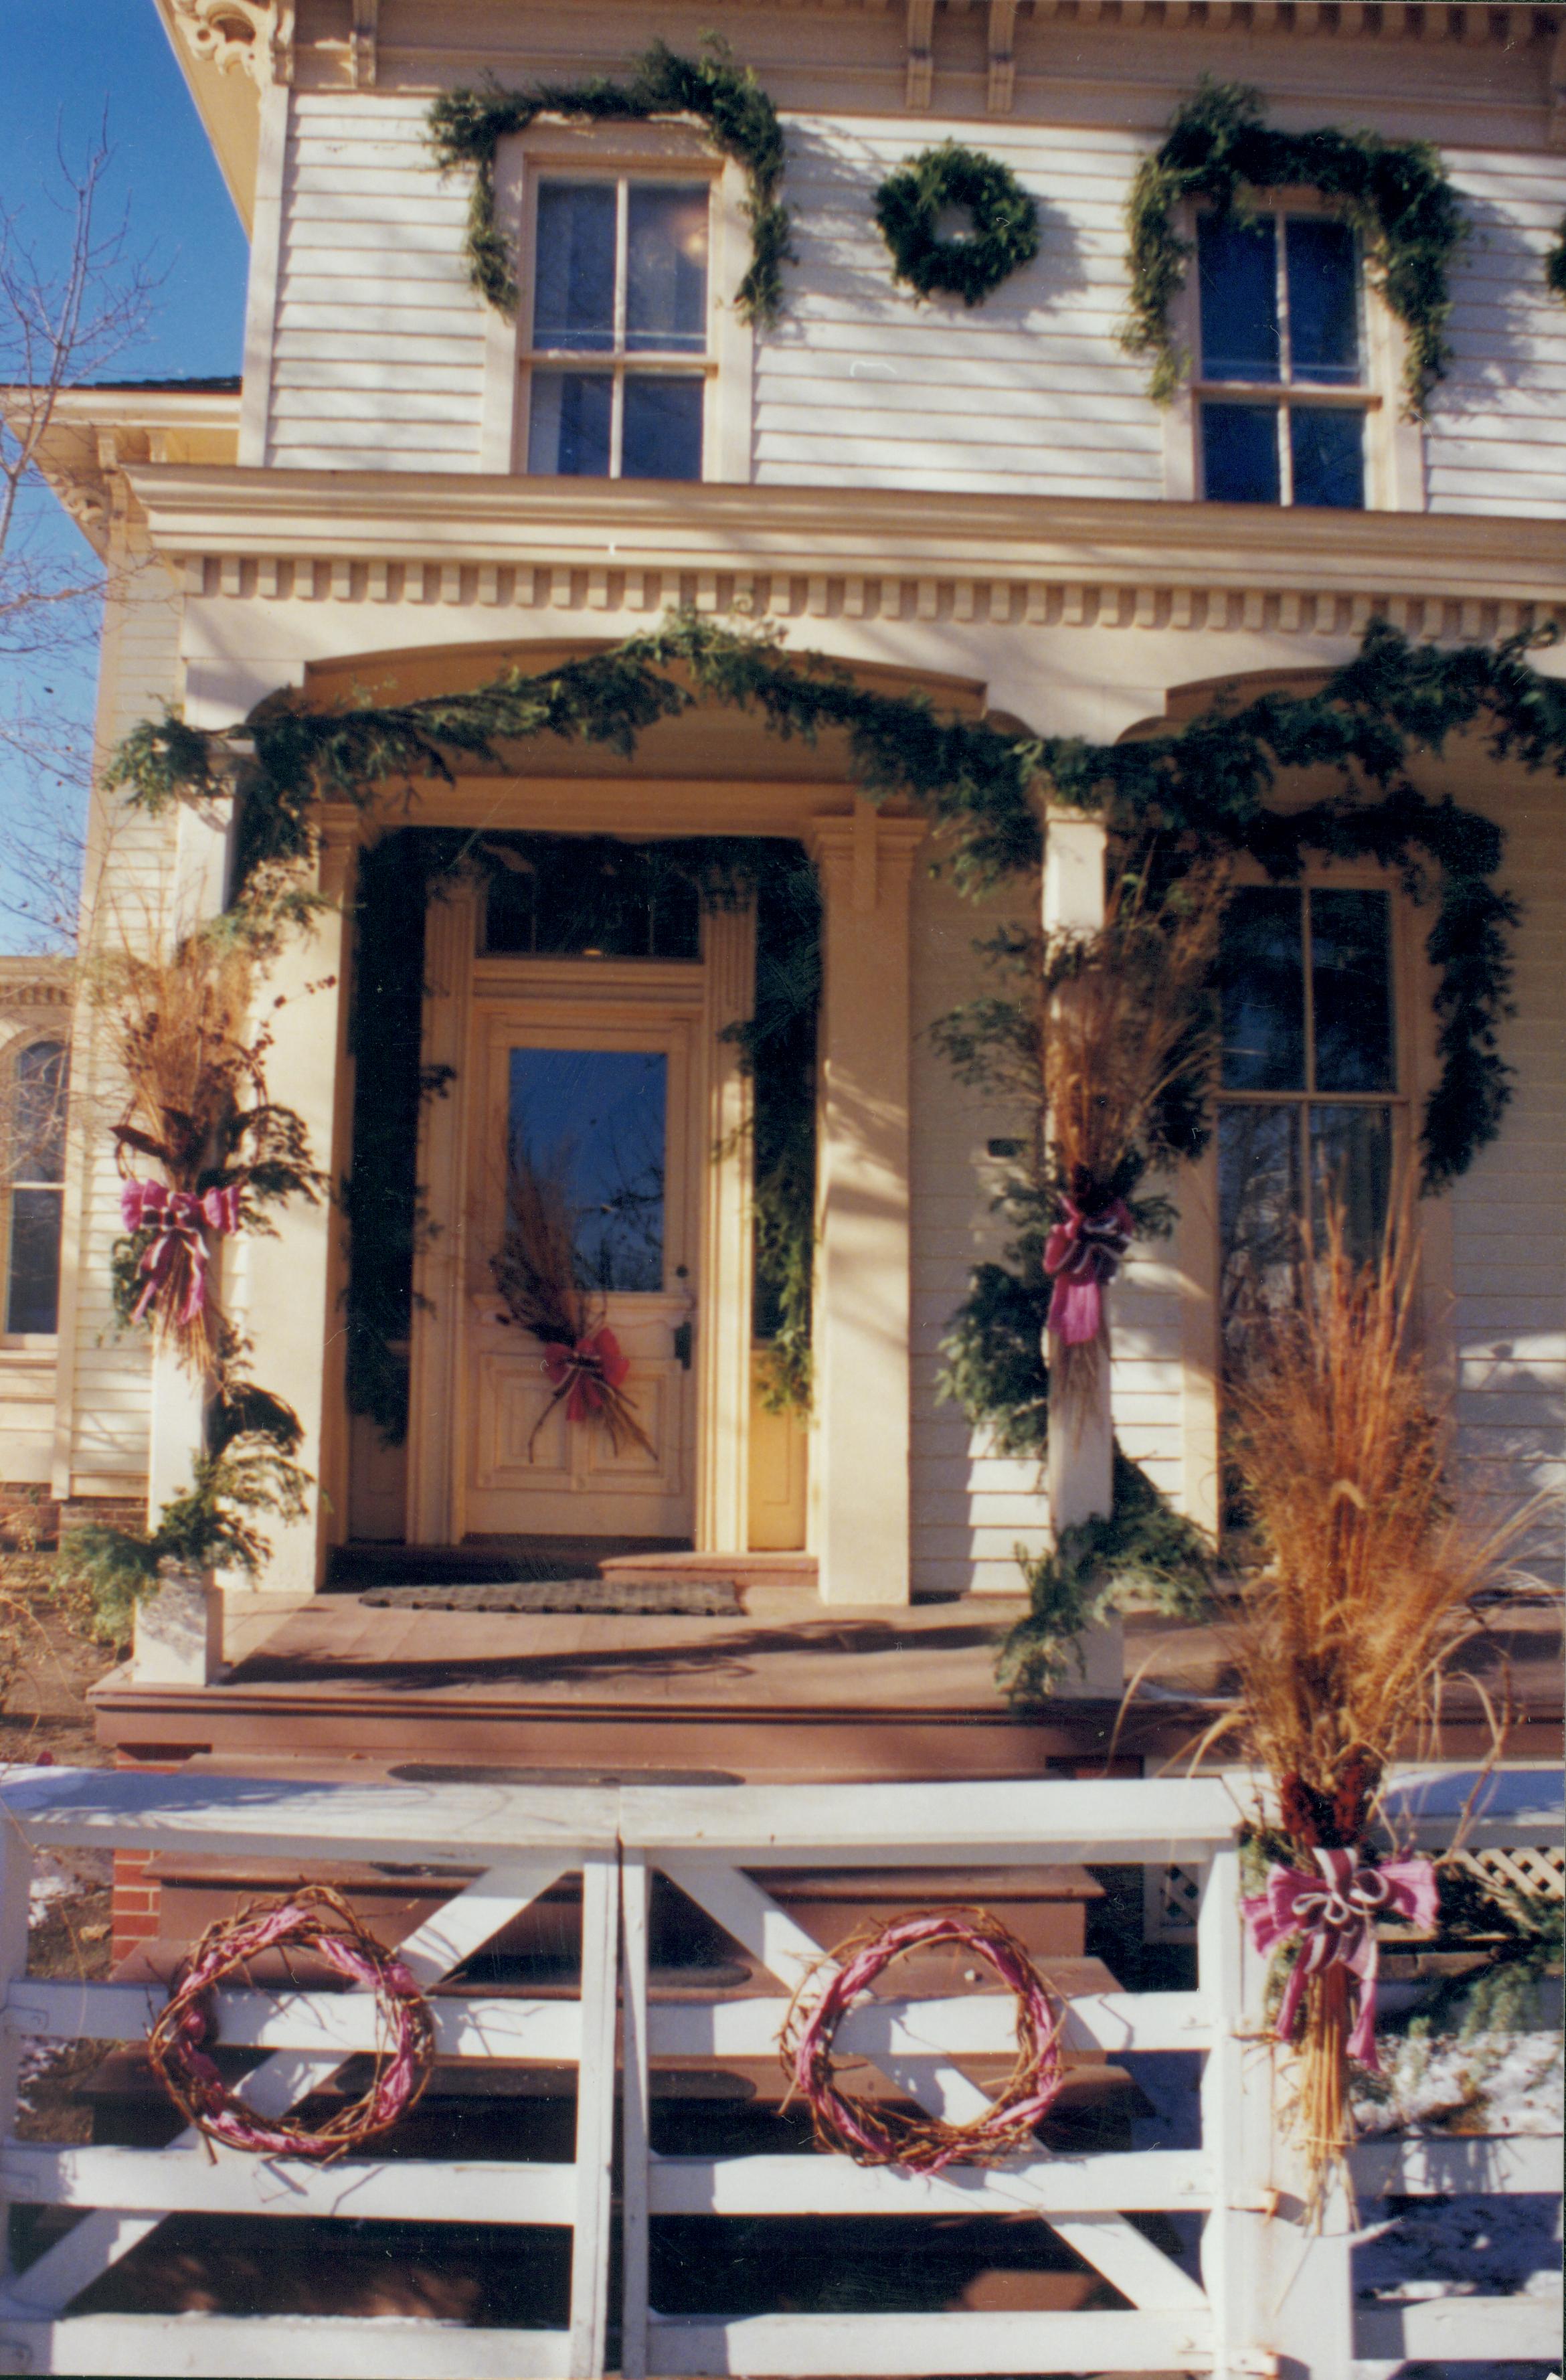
point(666, 267)
point(569, 424)
point(1261, 969)
point(594, 1120)
point(1328, 457)
point(574, 281)
point(37, 1146)
point(586, 896)
point(1351, 990)
point(32, 1294)
point(1323, 299)
point(1350, 1160)
point(1240, 454)
point(1259, 1199)
point(662, 436)
point(1237, 269)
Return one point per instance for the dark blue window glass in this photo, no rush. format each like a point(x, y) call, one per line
point(32, 1297)
point(595, 1121)
point(574, 286)
point(1262, 979)
point(1350, 1163)
point(660, 438)
point(1350, 990)
point(666, 268)
point(1328, 453)
point(1323, 301)
point(569, 428)
point(1237, 270)
point(1240, 454)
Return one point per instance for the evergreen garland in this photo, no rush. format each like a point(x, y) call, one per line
point(1206, 784)
point(1395, 193)
point(466, 127)
point(1555, 263)
point(1005, 222)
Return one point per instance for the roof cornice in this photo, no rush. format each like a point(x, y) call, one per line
point(569, 545)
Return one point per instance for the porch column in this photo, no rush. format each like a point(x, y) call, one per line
point(293, 1282)
point(860, 1447)
point(722, 1322)
point(1079, 1465)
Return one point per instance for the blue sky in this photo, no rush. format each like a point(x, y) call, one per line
point(64, 63)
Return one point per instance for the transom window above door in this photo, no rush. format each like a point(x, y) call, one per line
point(1282, 392)
point(618, 365)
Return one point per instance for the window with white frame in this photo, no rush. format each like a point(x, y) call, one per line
point(1284, 388)
point(34, 1173)
point(1309, 1103)
point(619, 354)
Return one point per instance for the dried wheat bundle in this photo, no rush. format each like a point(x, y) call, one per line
point(535, 1271)
point(1344, 1637)
point(1128, 1019)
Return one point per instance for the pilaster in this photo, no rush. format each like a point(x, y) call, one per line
point(723, 1325)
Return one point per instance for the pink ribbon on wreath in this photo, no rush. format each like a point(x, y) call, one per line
point(1334, 1915)
point(585, 1370)
point(180, 1217)
point(1081, 1255)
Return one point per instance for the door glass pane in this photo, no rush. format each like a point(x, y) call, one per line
point(573, 285)
point(1240, 454)
point(1350, 1160)
point(1351, 990)
point(1258, 1196)
point(1323, 299)
point(662, 437)
point(1237, 270)
point(596, 1121)
point(666, 267)
point(569, 424)
point(1329, 458)
point(32, 1289)
point(1261, 972)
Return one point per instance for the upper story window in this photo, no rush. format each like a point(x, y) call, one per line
point(618, 368)
point(35, 1172)
point(1309, 1103)
point(1283, 389)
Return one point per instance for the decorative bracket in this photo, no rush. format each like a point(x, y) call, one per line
point(921, 60)
point(361, 43)
point(255, 35)
point(1003, 64)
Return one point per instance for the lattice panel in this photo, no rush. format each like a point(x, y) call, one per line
point(1169, 1894)
point(1541, 1872)
point(1169, 1903)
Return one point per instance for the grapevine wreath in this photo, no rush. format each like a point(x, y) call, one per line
point(909, 204)
point(313, 1918)
point(877, 2135)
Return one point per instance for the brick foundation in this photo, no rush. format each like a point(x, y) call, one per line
point(115, 1512)
point(135, 1904)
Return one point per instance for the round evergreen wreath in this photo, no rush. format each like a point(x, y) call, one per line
point(1005, 222)
point(1395, 193)
point(467, 126)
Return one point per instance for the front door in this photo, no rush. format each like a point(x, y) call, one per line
point(596, 1119)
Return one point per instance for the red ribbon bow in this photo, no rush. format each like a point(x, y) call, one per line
point(1080, 1255)
point(1334, 1915)
point(585, 1370)
point(180, 1219)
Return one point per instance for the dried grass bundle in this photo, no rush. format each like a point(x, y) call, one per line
point(535, 1271)
point(1343, 1638)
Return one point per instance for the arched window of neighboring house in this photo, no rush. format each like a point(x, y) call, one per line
point(34, 1175)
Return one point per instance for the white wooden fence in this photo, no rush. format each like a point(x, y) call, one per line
point(1271, 2299)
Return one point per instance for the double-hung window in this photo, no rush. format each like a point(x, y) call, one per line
point(619, 360)
point(1309, 1104)
point(34, 1174)
point(1284, 391)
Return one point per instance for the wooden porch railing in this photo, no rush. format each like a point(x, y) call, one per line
point(1268, 2297)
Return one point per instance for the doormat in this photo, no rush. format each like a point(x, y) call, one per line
point(709, 1598)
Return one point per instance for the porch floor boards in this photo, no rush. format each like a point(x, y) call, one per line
point(787, 1689)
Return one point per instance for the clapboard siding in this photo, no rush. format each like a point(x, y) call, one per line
point(1509, 1219)
point(1496, 441)
point(378, 341)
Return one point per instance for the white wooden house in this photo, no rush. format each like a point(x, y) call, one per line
point(408, 490)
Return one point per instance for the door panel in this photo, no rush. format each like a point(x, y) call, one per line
point(606, 1108)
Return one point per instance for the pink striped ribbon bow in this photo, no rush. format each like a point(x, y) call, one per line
point(584, 1371)
point(1081, 1254)
point(180, 1218)
point(1334, 1915)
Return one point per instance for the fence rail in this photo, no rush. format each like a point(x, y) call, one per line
point(1263, 2288)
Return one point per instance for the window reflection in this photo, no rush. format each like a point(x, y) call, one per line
point(596, 1121)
